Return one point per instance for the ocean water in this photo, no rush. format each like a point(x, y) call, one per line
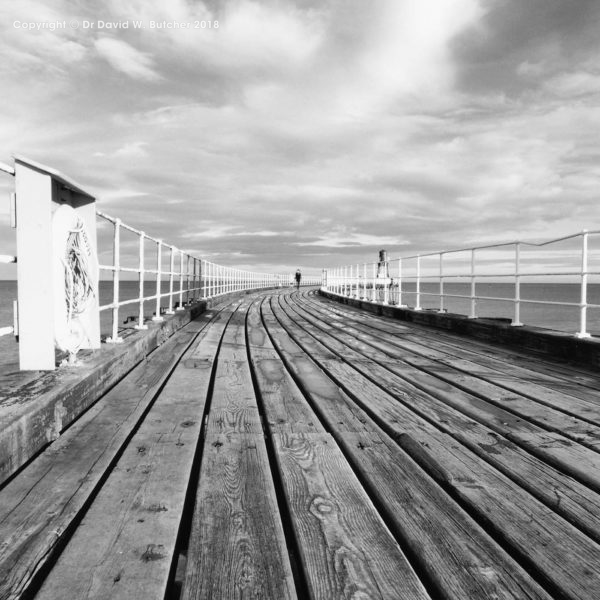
point(559, 318)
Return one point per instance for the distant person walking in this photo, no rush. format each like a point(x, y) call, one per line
point(298, 277)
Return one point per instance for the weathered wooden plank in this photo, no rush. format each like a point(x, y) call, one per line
point(527, 398)
point(124, 546)
point(565, 558)
point(233, 405)
point(552, 447)
point(418, 411)
point(572, 567)
point(35, 413)
point(284, 406)
point(237, 547)
point(38, 506)
point(570, 379)
point(283, 403)
point(550, 390)
point(331, 403)
point(346, 549)
point(459, 558)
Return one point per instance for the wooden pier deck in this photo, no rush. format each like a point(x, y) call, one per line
point(285, 446)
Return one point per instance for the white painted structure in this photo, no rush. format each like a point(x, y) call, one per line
point(40, 191)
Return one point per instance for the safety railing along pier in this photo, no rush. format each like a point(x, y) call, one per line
point(390, 281)
point(189, 278)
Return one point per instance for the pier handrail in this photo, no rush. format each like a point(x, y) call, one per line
point(197, 278)
point(372, 281)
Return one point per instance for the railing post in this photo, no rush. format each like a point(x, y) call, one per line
point(583, 333)
point(203, 275)
point(194, 260)
point(187, 279)
point(171, 270)
point(386, 284)
point(114, 338)
point(517, 319)
point(180, 307)
point(157, 316)
point(418, 285)
point(473, 314)
point(442, 309)
point(141, 324)
point(373, 291)
point(400, 283)
point(364, 290)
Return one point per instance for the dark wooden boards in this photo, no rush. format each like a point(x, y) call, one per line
point(237, 547)
point(38, 507)
point(434, 527)
point(125, 544)
point(346, 549)
point(554, 447)
point(521, 518)
point(330, 457)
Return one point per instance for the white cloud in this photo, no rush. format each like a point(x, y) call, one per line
point(132, 150)
point(125, 58)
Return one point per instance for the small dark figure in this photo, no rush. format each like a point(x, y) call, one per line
point(298, 277)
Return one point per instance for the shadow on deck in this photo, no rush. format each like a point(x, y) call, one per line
point(283, 446)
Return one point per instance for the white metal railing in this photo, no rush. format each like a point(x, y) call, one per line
point(9, 259)
point(194, 278)
point(386, 281)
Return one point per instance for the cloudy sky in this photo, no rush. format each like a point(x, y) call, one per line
point(313, 132)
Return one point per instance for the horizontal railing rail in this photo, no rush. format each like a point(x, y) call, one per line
point(386, 281)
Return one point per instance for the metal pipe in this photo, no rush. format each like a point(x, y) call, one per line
point(442, 282)
point(473, 301)
point(517, 319)
point(115, 339)
point(157, 316)
point(418, 285)
point(583, 333)
point(180, 307)
point(141, 324)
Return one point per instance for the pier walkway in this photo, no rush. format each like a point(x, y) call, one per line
point(282, 445)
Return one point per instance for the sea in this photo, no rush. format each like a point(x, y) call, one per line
point(560, 318)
